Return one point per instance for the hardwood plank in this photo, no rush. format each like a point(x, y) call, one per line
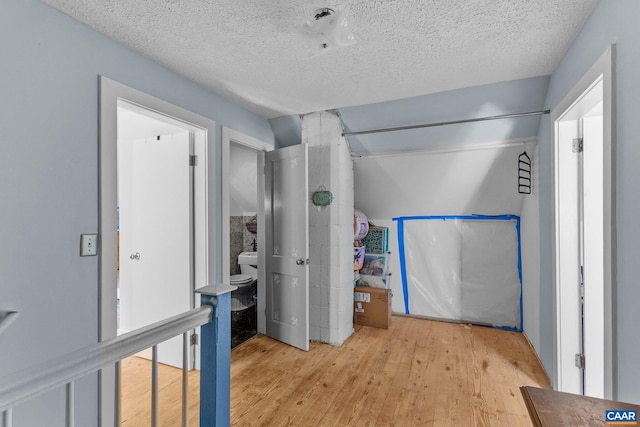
point(336, 368)
point(379, 406)
point(136, 394)
point(417, 372)
point(361, 375)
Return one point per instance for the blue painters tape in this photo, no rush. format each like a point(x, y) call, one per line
point(520, 272)
point(463, 217)
point(473, 217)
point(403, 265)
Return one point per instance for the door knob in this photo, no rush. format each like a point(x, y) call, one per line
point(302, 261)
point(135, 256)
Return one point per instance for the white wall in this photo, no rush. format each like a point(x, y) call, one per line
point(453, 180)
point(134, 306)
point(530, 253)
point(132, 125)
point(243, 181)
point(49, 183)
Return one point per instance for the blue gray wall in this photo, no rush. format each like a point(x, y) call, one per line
point(612, 22)
point(480, 101)
point(49, 182)
point(287, 130)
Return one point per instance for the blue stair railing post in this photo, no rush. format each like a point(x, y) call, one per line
point(215, 359)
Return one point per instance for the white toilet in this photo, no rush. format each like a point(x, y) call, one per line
point(248, 262)
point(242, 297)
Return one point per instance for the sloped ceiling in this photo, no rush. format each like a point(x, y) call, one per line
point(251, 52)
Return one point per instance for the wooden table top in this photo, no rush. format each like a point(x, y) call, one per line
point(553, 408)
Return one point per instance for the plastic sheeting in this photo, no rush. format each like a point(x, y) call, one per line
point(462, 268)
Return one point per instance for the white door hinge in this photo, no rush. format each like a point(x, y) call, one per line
point(193, 160)
point(194, 339)
point(577, 145)
point(579, 360)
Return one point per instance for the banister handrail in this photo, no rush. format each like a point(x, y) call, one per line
point(28, 383)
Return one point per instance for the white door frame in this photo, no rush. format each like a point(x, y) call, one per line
point(602, 68)
point(230, 136)
point(203, 129)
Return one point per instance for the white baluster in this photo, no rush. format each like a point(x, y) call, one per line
point(154, 386)
point(6, 418)
point(117, 410)
point(185, 380)
point(70, 392)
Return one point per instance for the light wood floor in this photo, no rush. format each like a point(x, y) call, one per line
point(135, 397)
point(418, 372)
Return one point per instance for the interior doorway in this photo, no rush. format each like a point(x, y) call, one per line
point(584, 233)
point(201, 132)
point(242, 192)
point(282, 220)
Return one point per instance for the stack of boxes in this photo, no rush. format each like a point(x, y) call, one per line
point(372, 296)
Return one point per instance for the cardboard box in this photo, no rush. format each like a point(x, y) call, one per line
point(372, 307)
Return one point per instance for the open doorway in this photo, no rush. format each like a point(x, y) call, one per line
point(282, 236)
point(584, 235)
point(187, 133)
point(242, 193)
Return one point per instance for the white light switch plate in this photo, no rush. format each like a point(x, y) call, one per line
point(88, 244)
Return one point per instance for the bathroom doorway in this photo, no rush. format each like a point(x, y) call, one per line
point(242, 236)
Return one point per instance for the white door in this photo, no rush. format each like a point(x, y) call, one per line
point(287, 245)
point(156, 235)
point(579, 246)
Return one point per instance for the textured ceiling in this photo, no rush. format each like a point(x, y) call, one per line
point(251, 53)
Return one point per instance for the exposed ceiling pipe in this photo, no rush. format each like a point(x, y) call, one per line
point(453, 122)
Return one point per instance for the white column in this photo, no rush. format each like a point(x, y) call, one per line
point(330, 229)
